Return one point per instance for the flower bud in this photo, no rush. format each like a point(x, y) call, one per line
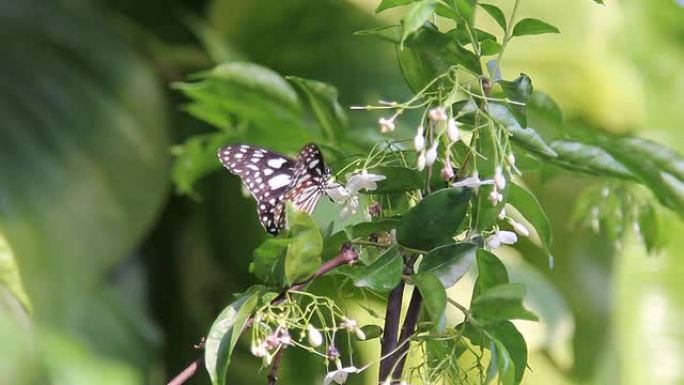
point(438, 114)
point(420, 164)
point(519, 228)
point(419, 140)
point(315, 337)
point(502, 214)
point(431, 154)
point(447, 171)
point(386, 125)
point(511, 159)
point(452, 130)
point(499, 179)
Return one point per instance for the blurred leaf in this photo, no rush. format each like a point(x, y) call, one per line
point(542, 104)
point(533, 27)
point(496, 13)
point(504, 364)
point(528, 138)
point(500, 303)
point(223, 335)
point(268, 257)
point(254, 94)
point(490, 47)
point(649, 228)
point(528, 205)
point(387, 4)
point(599, 2)
point(589, 158)
point(416, 15)
point(449, 263)
point(9, 275)
point(390, 33)
point(371, 332)
point(399, 179)
point(322, 98)
point(428, 53)
point(434, 220)
point(194, 159)
point(383, 274)
point(434, 298)
point(303, 255)
point(84, 152)
point(458, 10)
point(518, 90)
point(491, 272)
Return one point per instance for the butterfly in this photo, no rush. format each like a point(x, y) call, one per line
point(274, 179)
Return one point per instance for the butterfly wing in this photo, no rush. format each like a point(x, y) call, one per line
point(311, 178)
point(267, 175)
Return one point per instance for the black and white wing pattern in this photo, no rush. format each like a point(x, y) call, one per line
point(273, 178)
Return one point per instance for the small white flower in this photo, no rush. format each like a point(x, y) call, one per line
point(438, 114)
point(350, 208)
point(502, 214)
point(364, 180)
point(519, 228)
point(495, 197)
point(349, 324)
point(315, 337)
point(452, 130)
point(501, 238)
point(447, 170)
point(419, 140)
point(472, 181)
point(420, 163)
point(259, 350)
point(499, 178)
point(285, 339)
point(511, 159)
point(386, 125)
point(340, 375)
point(431, 155)
point(338, 193)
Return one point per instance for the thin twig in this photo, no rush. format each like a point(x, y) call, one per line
point(187, 372)
point(273, 375)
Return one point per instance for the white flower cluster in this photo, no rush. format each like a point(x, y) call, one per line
point(428, 156)
point(349, 196)
point(499, 238)
point(272, 342)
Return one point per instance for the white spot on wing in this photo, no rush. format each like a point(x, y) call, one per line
point(268, 171)
point(277, 162)
point(279, 181)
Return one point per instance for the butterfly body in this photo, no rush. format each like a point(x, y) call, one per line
point(273, 179)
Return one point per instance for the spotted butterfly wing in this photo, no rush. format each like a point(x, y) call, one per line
point(273, 178)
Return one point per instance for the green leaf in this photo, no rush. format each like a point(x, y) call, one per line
point(590, 159)
point(398, 179)
point(10, 277)
point(449, 263)
point(491, 272)
point(500, 303)
point(527, 138)
point(489, 47)
point(434, 220)
point(528, 205)
point(542, 104)
point(504, 364)
point(533, 27)
point(416, 16)
point(387, 4)
point(599, 2)
point(370, 332)
point(223, 335)
point(357, 231)
point(514, 343)
point(649, 228)
point(428, 53)
point(434, 298)
point(519, 91)
point(383, 274)
point(496, 13)
point(267, 263)
point(254, 94)
point(195, 159)
point(323, 100)
point(390, 33)
point(303, 255)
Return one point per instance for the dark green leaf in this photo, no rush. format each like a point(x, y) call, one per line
point(194, 159)
point(528, 138)
point(390, 33)
point(514, 343)
point(9, 275)
point(528, 205)
point(371, 332)
point(589, 158)
point(533, 27)
point(398, 179)
point(429, 53)
point(434, 298)
point(223, 336)
point(303, 255)
point(500, 303)
point(323, 101)
point(268, 257)
point(496, 13)
point(416, 15)
point(383, 274)
point(449, 263)
point(504, 364)
point(599, 2)
point(387, 4)
point(434, 220)
point(491, 272)
point(519, 91)
point(543, 105)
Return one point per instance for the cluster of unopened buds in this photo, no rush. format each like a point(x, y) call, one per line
point(274, 341)
point(428, 156)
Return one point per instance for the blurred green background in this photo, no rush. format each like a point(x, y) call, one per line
point(124, 275)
